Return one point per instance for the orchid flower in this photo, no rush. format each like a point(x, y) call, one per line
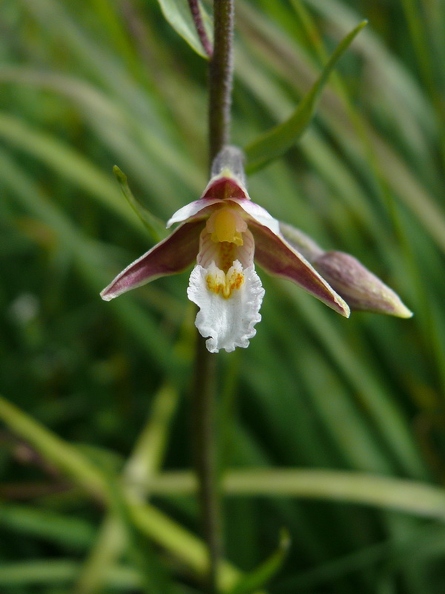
point(223, 233)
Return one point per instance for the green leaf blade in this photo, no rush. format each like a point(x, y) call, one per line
point(275, 142)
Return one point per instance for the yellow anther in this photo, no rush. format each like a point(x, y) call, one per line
point(224, 284)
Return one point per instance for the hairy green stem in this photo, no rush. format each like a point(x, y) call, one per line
point(221, 76)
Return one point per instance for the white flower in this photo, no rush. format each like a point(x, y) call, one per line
point(225, 231)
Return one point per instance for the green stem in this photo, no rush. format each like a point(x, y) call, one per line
point(206, 459)
point(221, 76)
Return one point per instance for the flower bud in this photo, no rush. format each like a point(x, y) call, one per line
point(360, 288)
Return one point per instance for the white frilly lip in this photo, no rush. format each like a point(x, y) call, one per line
point(226, 322)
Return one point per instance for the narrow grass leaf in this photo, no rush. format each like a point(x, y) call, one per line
point(42, 523)
point(50, 571)
point(417, 498)
point(145, 461)
point(279, 139)
point(155, 226)
point(146, 518)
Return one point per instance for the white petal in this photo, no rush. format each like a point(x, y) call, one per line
point(228, 321)
point(190, 210)
point(258, 213)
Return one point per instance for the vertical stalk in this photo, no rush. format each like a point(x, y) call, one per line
point(206, 458)
point(205, 393)
point(221, 76)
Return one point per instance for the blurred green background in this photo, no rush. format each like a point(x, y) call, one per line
point(87, 84)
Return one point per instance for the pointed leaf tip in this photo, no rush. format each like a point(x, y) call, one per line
point(154, 226)
point(119, 175)
point(259, 577)
point(275, 142)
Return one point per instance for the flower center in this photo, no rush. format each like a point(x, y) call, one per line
point(224, 283)
point(226, 225)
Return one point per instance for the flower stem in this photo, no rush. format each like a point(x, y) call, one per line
point(206, 459)
point(205, 434)
point(221, 75)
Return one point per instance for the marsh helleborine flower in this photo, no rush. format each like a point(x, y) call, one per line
point(223, 232)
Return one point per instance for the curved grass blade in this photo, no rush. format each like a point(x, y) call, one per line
point(262, 574)
point(420, 499)
point(49, 573)
point(278, 140)
point(150, 521)
point(54, 527)
point(144, 462)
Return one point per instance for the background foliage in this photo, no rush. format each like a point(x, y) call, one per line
point(86, 85)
